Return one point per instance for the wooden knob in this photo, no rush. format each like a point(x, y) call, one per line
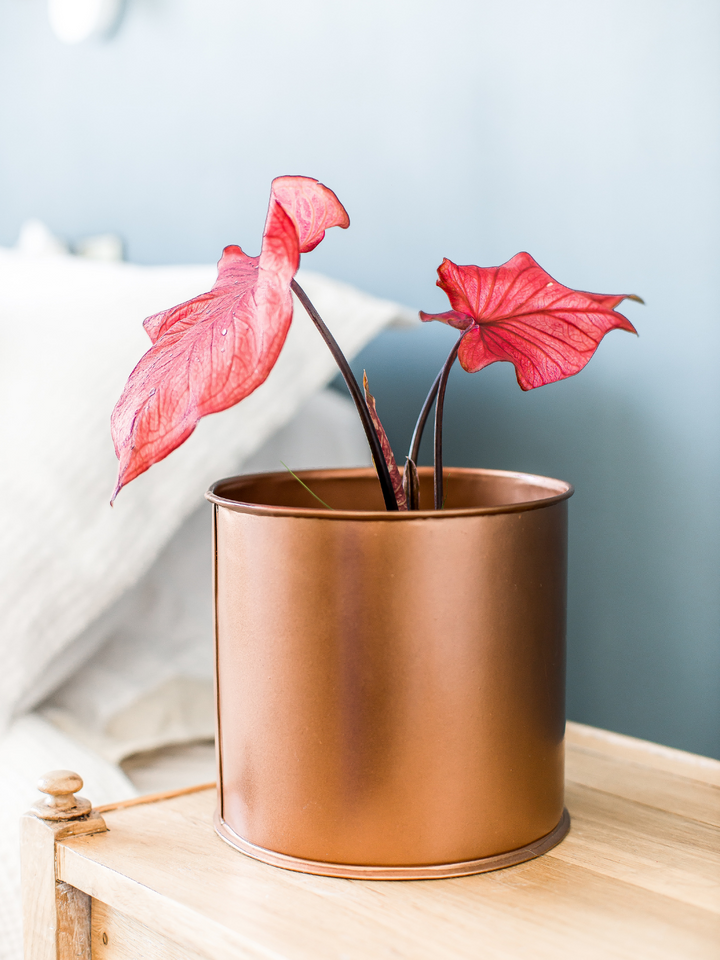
point(61, 802)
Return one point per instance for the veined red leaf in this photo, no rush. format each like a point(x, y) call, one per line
point(517, 312)
point(312, 207)
point(215, 350)
point(395, 475)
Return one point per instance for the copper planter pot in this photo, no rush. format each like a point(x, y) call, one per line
point(390, 686)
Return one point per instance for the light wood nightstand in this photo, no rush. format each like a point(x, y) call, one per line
point(637, 877)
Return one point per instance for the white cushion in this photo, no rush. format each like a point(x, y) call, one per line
point(70, 332)
point(150, 683)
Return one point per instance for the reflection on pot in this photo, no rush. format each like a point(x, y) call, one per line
point(391, 685)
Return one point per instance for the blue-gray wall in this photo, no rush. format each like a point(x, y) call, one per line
point(585, 131)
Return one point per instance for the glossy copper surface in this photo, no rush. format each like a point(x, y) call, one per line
point(390, 685)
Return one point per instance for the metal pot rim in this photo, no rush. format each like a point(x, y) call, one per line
point(558, 490)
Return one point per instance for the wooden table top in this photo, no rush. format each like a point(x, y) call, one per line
point(637, 877)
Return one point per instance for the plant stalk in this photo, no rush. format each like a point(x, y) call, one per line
point(411, 485)
point(356, 393)
point(422, 420)
point(439, 404)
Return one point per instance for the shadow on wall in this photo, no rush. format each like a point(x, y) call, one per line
point(635, 545)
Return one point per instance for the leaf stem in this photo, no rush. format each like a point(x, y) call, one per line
point(442, 381)
point(422, 420)
point(356, 393)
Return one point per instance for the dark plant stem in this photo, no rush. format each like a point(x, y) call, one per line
point(357, 395)
point(411, 485)
point(422, 420)
point(439, 404)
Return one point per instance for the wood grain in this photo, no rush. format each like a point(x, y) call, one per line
point(622, 748)
point(56, 915)
point(638, 877)
point(648, 848)
point(155, 797)
point(73, 923)
point(118, 937)
point(38, 888)
point(682, 796)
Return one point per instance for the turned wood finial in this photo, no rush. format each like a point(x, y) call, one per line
point(61, 802)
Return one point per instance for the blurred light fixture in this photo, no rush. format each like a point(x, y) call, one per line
point(73, 21)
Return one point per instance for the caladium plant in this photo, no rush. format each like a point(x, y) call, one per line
point(215, 350)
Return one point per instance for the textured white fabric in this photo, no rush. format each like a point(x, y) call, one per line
point(28, 749)
point(70, 332)
point(151, 681)
point(150, 684)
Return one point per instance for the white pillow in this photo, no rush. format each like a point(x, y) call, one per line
point(151, 682)
point(70, 332)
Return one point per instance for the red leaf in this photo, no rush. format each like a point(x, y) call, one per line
point(519, 313)
point(312, 207)
point(395, 476)
point(215, 350)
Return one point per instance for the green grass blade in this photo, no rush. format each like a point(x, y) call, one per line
point(327, 506)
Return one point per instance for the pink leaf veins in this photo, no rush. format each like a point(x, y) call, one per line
point(519, 313)
point(215, 350)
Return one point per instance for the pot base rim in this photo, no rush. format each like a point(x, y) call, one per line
point(368, 872)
